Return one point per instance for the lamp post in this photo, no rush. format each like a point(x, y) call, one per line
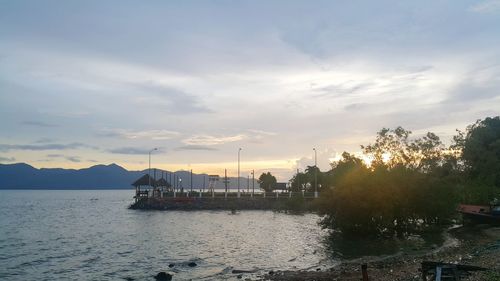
point(253, 182)
point(149, 169)
point(298, 181)
point(315, 174)
point(239, 150)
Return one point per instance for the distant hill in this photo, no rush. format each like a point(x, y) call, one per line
point(24, 176)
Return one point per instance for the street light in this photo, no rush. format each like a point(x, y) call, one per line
point(315, 174)
point(253, 182)
point(149, 170)
point(239, 150)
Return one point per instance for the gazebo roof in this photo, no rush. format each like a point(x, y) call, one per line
point(162, 182)
point(145, 181)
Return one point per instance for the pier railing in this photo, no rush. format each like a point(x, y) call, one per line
point(210, 194)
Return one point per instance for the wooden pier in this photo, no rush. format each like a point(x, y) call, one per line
point(223, 201)
point(151, 194)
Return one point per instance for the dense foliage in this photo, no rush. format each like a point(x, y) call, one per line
point(308, 179)
point(480, 157)
point(267, 182)
point(411, 184)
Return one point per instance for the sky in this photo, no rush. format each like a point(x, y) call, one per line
point(99, 82)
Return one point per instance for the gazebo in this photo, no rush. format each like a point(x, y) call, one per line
point(162, 183)
point(144, 181)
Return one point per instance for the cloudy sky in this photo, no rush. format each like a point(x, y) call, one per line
point(87, 82)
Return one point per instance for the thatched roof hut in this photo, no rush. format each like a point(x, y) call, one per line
point(145, 180)
point(163, 183)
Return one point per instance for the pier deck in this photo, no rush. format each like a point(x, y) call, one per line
point(225, 201)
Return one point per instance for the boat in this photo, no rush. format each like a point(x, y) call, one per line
point(478, 214)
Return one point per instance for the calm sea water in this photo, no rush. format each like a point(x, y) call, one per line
point(91, 235)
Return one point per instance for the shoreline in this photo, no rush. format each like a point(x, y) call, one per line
point(478, 246)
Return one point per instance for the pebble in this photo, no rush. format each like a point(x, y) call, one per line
point(192, 264)
point(163, 276)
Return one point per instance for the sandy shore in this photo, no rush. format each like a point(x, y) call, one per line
point(479, 246)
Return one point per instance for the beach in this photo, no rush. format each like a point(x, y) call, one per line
point(478, 246)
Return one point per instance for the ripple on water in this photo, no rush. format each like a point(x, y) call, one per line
point(67, 234)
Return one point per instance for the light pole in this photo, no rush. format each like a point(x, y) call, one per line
point(149, 169)
point(298, 181)
point(239, 150)
point(315, 174)
point(253, 182)
point(191, 180)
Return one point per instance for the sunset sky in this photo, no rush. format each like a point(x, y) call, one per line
point(99, 82)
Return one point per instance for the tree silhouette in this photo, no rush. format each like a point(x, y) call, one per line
point(267, 182)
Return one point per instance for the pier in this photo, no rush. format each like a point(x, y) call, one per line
point(225, 201)
point(158, 195)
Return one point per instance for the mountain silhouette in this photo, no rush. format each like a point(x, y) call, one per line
point(113, 176)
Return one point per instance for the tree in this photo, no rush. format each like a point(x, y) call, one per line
point(390, 148)
point(267, 182)
point(409, 185)
point(298, 182)
point(480, 156)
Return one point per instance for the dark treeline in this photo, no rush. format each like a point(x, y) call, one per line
point(411, 184)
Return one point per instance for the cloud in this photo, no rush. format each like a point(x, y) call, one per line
point(54, 155)
point(38, 124)
point(489, 6)
point(324, 158)
point(7, 159)
point(44, 140)
point(149, 134)
point(251, 135)
point(49, 146)
point(261, 133)
point(212, 140)
point(73, 159)
point(195, 147)
point(343, 89)
point(132, 150)
point(169, 99)
point(355, 106)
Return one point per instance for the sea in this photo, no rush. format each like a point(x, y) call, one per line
point(92, 235)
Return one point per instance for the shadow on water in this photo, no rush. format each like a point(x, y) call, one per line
point(339, 246)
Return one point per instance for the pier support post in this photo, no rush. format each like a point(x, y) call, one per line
point(174, 193)
point(290, 194)
point(201, 194)
point(213, 194)
point(277, 195)
point(364, 271)
point(315, 194)
point(187, 194)
point(264, 194)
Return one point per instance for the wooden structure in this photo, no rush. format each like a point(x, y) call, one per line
point(439, 271)
point(145, 182)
